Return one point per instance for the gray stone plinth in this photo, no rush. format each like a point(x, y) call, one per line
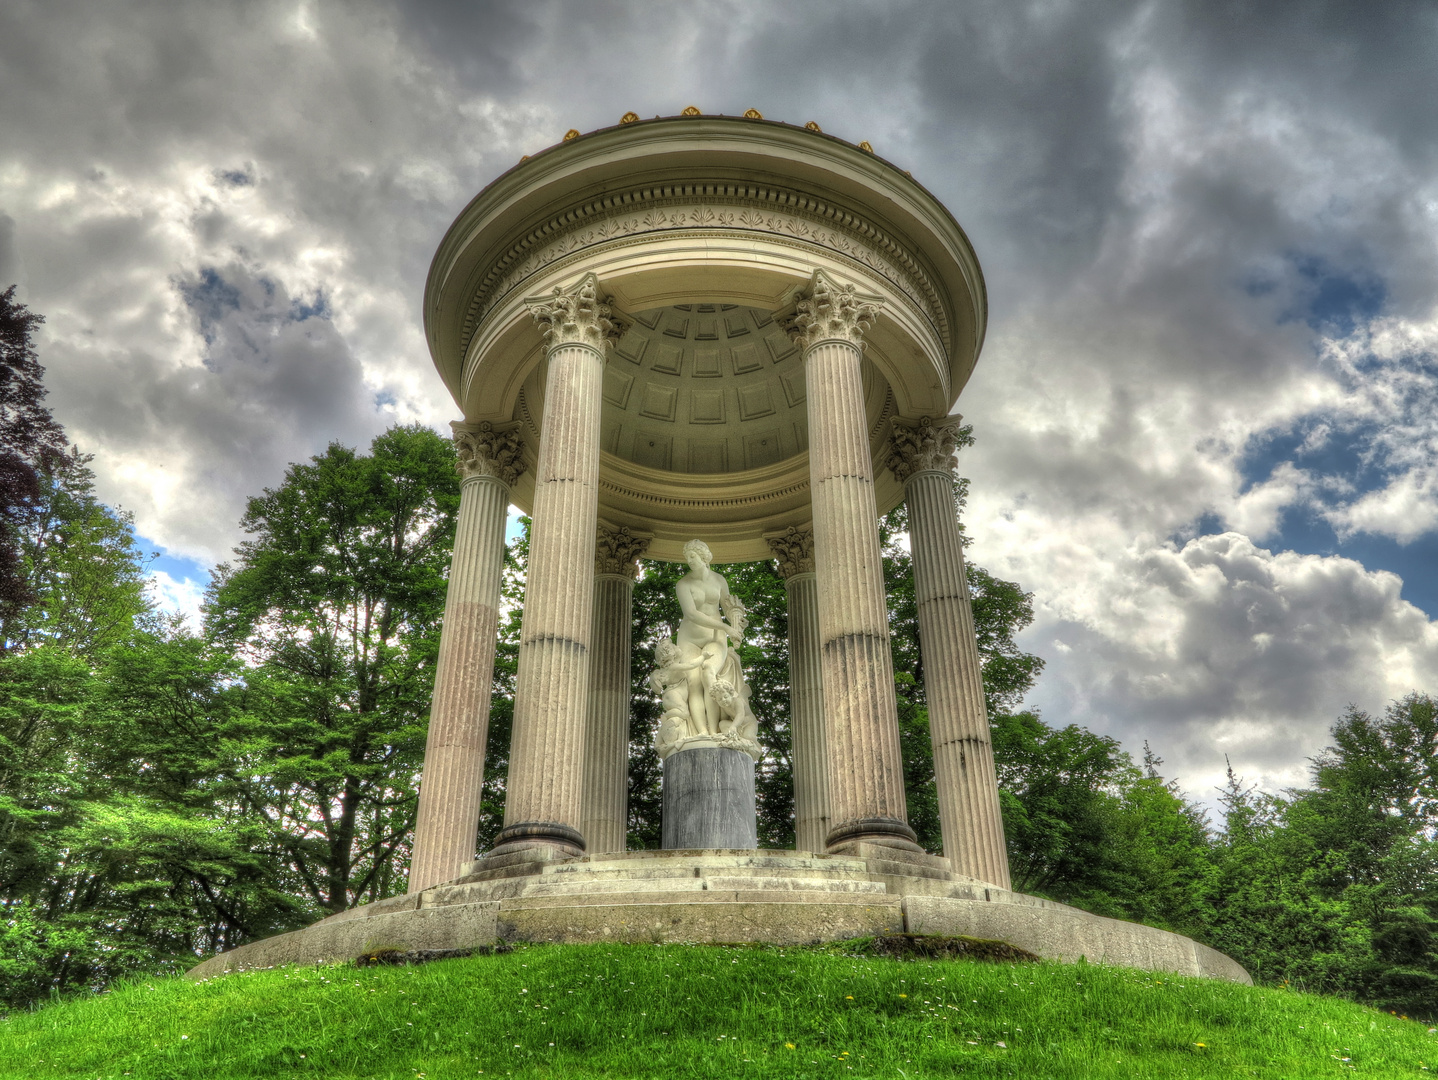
point(779, 897)
point(709, 800)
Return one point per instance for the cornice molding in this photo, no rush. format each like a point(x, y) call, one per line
point(740, 209)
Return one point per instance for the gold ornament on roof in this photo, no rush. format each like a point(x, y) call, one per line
point(811, 126)
point(753, 114)
point(572, 133)
point(691, 111)
point(864, 146)
point(629, 118)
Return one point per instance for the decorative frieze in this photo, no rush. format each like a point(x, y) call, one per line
point(577, 315)
point(832, 311)
point(795, 551)
point(781, 214)
point(925, 446)
point(616, 551)
point(483, 451)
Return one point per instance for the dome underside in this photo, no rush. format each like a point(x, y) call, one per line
point(704, 388)
point(709, 389)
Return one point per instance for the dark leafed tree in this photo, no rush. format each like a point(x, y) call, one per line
point(336, 602)
point(30, 440)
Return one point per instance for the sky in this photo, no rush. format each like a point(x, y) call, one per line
point(1205, 410)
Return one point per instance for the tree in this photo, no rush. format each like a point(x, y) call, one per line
point(336, 605)
point(79, 564)
point(30, 440)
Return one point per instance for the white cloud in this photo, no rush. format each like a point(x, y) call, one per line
point(178, 596)
point(1220, 647)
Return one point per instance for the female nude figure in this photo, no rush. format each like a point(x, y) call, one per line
point(703, 594)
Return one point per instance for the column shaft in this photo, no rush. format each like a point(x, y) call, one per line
point(806, 717)
point(866, 781)
point(958, 722)
point(542, 804)
point(449, 797)
point(606, 754)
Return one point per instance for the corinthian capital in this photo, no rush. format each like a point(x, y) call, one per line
point(616, 550)
point(482, 451)
point(577, 315)
point(831, 311)
point(794, 548)
point(927, 445)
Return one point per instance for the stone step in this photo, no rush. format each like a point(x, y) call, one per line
point(716, 883)
point(672, 899)
point(798, 860)
point(657, 871)
point(758, 917)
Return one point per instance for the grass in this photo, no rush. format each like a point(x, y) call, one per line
point(708, 1011)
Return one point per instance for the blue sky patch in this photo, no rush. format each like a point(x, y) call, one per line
point(1334, 301)
point(210, 299)
point(300, 310)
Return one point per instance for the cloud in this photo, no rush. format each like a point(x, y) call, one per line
point(178, 596)
point(1227, 648)
point(1206, 231)
point(307, 151)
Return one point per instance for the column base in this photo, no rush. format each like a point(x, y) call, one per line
point(887, 832)
point(532, 834)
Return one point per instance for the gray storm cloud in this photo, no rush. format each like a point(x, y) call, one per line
point(1207, 229)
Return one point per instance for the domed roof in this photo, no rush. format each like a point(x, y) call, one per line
point(700, 229)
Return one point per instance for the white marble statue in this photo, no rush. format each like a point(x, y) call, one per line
point(698, 678)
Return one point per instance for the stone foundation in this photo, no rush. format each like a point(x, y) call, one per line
point(773, 897)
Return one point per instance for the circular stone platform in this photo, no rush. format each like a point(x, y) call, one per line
point(774, 897)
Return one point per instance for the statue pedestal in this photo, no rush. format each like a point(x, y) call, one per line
point(709, 800)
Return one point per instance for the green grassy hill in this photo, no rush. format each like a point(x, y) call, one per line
point(708, 1011)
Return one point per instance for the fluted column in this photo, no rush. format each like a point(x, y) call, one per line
point(795, 551)
point(923, 460)
point(604, 819)
point(866, 780)
point(449, 794)
point(551, 696)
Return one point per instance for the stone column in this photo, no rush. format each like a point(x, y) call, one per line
point(604, 818)
point(449, 795)
point(795, 551)
point(866, 779)
point(551, 695)
point(923, 460)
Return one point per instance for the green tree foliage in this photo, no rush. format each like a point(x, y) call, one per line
point(1085, 826)
point(1335, 887)
point(79, 563)
point(336, 605)
point(30, 441)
